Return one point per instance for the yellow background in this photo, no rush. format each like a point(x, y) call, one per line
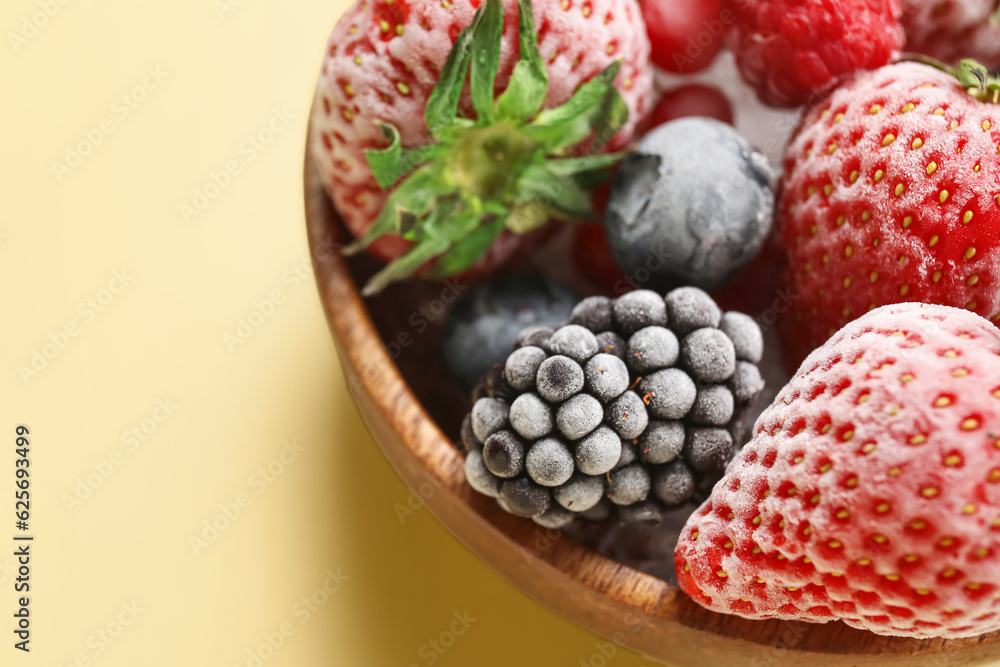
point(163, 336)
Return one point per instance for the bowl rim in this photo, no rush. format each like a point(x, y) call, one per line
point(626, 606)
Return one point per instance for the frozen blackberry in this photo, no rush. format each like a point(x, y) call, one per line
point(628, 485)
point(708, 450)
point(746, 382)
point(606, 377)
point(673, 483)
point(630, 452)
point(669, 393)
point(612, 343)
point(580, 493)
point(708, 355)
point(468, 438)
point(650, 349)
point(748, 341)
point(689, 308)
point(628, 410)
point(713, 406)
point(662, 442)
point(627, 415)
point(598, 452)
point(638, 310)
point(503, 454)
point(575, 342)
point(558, 378)
point(479, 477)
point(554, 517)
point(531, 417)
point(489, 415)
point(525, 498)
point(522, 366)
point(595, 312)
point(578, 416)
point(534, 336)
point(646, 511)
point(549, 462)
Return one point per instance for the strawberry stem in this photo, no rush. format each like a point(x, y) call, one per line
point(973, 76)
point(507, 169)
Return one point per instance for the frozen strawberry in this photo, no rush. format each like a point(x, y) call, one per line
point(870, 492)
point(790, 50)
point(950, 30)
point(436, 173)
point(891, 193)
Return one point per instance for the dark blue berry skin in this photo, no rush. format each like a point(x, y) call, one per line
point(481, 329)
point(691, 206)
point(525, 498)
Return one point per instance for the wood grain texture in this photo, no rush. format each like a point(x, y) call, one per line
point(624, 605)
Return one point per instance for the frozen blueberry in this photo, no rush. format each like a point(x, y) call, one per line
point(481, 329)
point(746, 382)
point(650, 349)
point(522, 366)
point(503, 454)
point(606, 377)
point(558, 378)
point(693, 202)
point(628, 485)
point(747, 338)
point(575, 342)
point(602, 511)
point(598, 452)
point(580, 493)
point(469, 439)
point(708, 450)
point(525, 498)
point(489, 415)
point(709, 355)
point(627, 415)
point(531, 417)
point(533, 336)
point(670, 393)
point(713, 406)
point(594, 312)
point(554, 517)
point(662, 441)
point(549, 462)
point(479, 477)
point(630, 452)
point(673, 483)
point(647, 511)
point(638, 310)
point(578, 416)
point(611, 343)
point(690, 308)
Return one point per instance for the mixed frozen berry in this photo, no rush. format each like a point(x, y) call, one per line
point(634, 402)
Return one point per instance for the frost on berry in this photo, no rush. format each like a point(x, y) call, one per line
point(870, 491)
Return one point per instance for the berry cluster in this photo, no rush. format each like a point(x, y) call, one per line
point(627, 409)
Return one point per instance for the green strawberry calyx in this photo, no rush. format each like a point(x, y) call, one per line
point(974, 77)
point(509, 168)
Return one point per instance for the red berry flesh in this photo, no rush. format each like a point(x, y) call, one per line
point(685, 35)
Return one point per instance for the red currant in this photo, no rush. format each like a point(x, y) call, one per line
point(686, 35)
point(692, 100)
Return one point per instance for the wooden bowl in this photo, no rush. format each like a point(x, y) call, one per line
point(628, 607)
